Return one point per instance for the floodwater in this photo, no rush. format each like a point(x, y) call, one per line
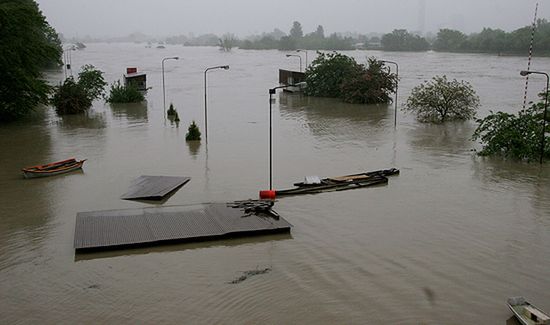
point(445, 242)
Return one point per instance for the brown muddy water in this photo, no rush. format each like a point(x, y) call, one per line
point(445, 242)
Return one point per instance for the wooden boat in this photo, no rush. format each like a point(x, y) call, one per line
point(527, 313)
point(339, 183)
point(55, 168)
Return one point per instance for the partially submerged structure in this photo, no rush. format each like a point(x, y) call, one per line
point(289, 78)
point(115, 229)
point(135, 78)
point(154, 187)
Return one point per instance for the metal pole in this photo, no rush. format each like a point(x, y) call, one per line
point(271, 92)
point(289, 55)
point(163, 92)
point(305, 51)
point(205, 109)
point(396, 88)
point(225, 67)
point(163, 87)
point(543, 132)
point(544, 118)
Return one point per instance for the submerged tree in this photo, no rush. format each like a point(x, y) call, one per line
point(296, 30)
point(440, 100)
point(193, 133)
point(325, 75)
point(370, 85)
point(28, 45)
point(227, 42)
point(120, 93)
point(73, 97)
point(514, 136)
point(338, 75)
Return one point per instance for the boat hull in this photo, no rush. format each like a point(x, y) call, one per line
point(52, 169)
point(341, 183)
point(535, 316)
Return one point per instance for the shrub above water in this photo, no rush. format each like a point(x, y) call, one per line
point(340, 76)
point(120, 93)
point(171, 110)
point(514, 136)
point(193, 133)
point(440, 100)
point(73, 97)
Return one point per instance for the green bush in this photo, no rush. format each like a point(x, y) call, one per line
point(326, 73)
point(372, 85)
point(193, 133)
point(171, 111)
point(513, 136)
point(120, 93)
point(340, 76)
point(440, 100)
point(28, 45)
point(73, 97)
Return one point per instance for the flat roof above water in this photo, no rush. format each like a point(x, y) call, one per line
point(115, 229)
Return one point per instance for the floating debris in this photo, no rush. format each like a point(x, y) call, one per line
point(248, 274)
point(256, 208)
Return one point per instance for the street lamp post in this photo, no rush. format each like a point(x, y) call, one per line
point(67, 57)
point(163, 88)
point(296, 55)
point(271, 93)
point(396, 87)
point(525, 73)
point(305, 51)
point(224, 67)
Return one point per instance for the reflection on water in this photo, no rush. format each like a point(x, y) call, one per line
point(193, 147)
point(133, 112)
point(322, 113)
point(182, 247)
point(445, 144)
point(445, 242)
point(87, 120)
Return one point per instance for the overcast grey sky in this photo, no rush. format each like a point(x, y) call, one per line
point(99, 18)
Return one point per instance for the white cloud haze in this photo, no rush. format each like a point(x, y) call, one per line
point(244, 17)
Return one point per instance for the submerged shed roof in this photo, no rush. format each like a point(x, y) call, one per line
point(122, 228)
point(153, 187)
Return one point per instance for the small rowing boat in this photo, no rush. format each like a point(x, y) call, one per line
point(51, 169)
point(314, 184)
point(527, 313)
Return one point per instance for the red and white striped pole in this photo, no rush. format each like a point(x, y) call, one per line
point(530, 55)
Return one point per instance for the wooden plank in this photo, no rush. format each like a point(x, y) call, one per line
point(153, 187)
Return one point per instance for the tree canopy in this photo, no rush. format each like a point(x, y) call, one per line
point(296, 30)
point(514, 136)
point(73, 97)
point(402, 40)
point(340, 76)
point(29, 45)
point(440, 100)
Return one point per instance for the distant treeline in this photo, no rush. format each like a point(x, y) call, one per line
point(487, 41)
point(448, 40)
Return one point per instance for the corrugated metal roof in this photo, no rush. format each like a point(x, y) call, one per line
point(148, 226)
point(153, 187)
